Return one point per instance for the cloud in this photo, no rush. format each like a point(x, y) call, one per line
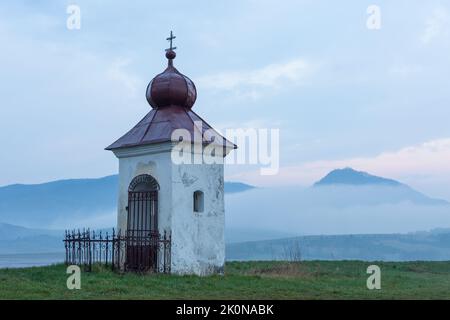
point(73, 95)
point(436, 25)
point(405, 70)
point(254, 83)
point(330, 211)
point(420, 165)
point(96, 220)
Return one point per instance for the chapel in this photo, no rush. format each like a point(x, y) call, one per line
point(171, 181)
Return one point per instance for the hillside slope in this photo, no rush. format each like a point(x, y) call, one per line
point(433, 246)
point(51, 204)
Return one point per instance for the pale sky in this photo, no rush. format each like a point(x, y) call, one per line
point(341, 94)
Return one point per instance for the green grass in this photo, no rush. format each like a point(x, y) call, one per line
point(243, 280)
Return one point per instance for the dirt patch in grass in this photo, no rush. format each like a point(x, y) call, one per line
point(282, 269)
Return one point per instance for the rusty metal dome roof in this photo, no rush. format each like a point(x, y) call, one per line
point(172, 95)
point(171, 88)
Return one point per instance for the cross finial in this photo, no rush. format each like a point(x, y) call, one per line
point(170, 39)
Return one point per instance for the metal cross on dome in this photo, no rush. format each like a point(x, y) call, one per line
point(170, 39)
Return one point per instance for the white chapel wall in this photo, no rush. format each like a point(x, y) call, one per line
point(198, 244)
point(157, 165)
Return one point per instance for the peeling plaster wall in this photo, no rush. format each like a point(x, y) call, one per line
point(155, 161)
point(198, 244)
point(157, 165)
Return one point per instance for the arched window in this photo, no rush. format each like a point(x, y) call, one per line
point(143, 182)
point(198, 201)
point(142, 223)
point(143, 204)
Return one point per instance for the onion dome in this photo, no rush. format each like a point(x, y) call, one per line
point(171, 95)
point(171, 88)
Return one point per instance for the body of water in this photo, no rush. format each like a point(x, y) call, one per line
point(25, 260)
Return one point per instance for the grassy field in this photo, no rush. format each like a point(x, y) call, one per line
point(243, 280)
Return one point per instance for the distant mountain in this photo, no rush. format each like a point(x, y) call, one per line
point(13, 232)
point(24, 244)
point(52, 204)
point(32, 244)
point(348, 176)
point(40, 205)
point(361, 185)
point(255, 214)
point(335, 209)
point(233, 187)
point(20, 240)
point(243, 234)
point(16, 239)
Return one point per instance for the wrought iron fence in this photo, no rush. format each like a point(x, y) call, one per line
point(134, 250)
